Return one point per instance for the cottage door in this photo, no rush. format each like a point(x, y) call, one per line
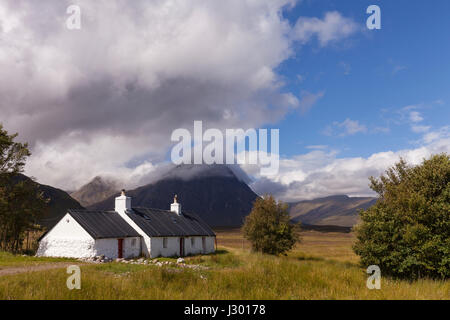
point(120, 248)
point(181, 247)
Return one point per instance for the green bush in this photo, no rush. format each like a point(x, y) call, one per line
point(267, 227)
point(407, 232)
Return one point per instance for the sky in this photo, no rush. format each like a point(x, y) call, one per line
point(348, 101)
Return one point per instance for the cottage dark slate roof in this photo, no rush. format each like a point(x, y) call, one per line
point(103, 224)
point(164, 223)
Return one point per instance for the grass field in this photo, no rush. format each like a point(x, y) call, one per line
point(8, 260)
point(323, 266)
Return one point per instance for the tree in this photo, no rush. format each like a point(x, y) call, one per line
point(407, 232)
point(267, 227)
point(12, 154)
point(21, 202)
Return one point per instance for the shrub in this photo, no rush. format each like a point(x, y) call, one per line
point(267, 227)
point(407, 232)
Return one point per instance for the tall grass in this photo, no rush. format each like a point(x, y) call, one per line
point(232, 274)
point(16, 260)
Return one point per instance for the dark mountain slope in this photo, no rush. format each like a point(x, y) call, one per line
point(339, 210)
point(60, 202)
point(213, 192)
point(95, 191)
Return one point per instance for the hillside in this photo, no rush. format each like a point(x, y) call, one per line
point(213, 192)
point(339, 210)
point(95, 191)
point(60, 201)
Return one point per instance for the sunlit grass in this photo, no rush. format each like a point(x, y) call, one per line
point(322, 267)
point(12, 260)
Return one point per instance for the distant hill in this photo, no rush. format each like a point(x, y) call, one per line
point(95, 191)
point(339, 210)
point(217, 193)
point(60, 201)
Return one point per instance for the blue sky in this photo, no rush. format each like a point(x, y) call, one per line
point(370, 77)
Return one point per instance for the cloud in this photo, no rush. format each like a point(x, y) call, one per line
point(308, 99)
point(436, 136)
point(346, 67)
point(397, 69)
point(420, 129)
point(133, 73)
point(415, 116)
point(381, 130)
point(318, 147)
point(347, 127)
point(319, 173)
point(331, 28)
point(106, 98)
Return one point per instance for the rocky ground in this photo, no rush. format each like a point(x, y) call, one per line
point(181, 263)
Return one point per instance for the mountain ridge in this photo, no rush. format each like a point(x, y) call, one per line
point(60, 202)
point(214, 192)
point(96, 190)
point(336, 210)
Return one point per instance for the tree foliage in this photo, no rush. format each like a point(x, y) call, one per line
point(267, 227)
point(407, 232)
point(21, 202)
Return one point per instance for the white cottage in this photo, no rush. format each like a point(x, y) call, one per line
point(128, 232)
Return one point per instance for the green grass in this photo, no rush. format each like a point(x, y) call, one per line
point(323, 266)
point(11, 260)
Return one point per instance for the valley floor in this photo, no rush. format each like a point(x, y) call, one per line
point(323, 266)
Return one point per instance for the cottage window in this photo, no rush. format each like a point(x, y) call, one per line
point(133, 242)
point(164, 242)
point(204, 243)
point(192, 241)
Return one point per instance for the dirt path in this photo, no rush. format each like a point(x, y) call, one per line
point(41, 267)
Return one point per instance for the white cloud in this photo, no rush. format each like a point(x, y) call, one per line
point(397, 69)
point(318, 147)
point(331, 28)
point(420, 129)
point(320, 173)
point(135, 69)
point(308, 99)
point(105, 99)
point(415, 116)
point(347, 127)
point(436, 136)
point(346, 67)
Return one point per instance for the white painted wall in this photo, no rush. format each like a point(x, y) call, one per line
point(173, 246)
point(210, 245)
point(157, 249)
point(122, 204)
point(67, 239)
point(110, 247)
point(197, 246)
point(153, 246)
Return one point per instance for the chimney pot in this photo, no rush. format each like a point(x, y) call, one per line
point(123, 203)
point(175, 206)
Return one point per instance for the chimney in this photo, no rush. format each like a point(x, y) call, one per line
point(123, 203)
point(175, 206)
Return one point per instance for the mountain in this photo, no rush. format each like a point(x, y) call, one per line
point(217, 193)
point(95, 191)
point(59, 202)
point(339, 210)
